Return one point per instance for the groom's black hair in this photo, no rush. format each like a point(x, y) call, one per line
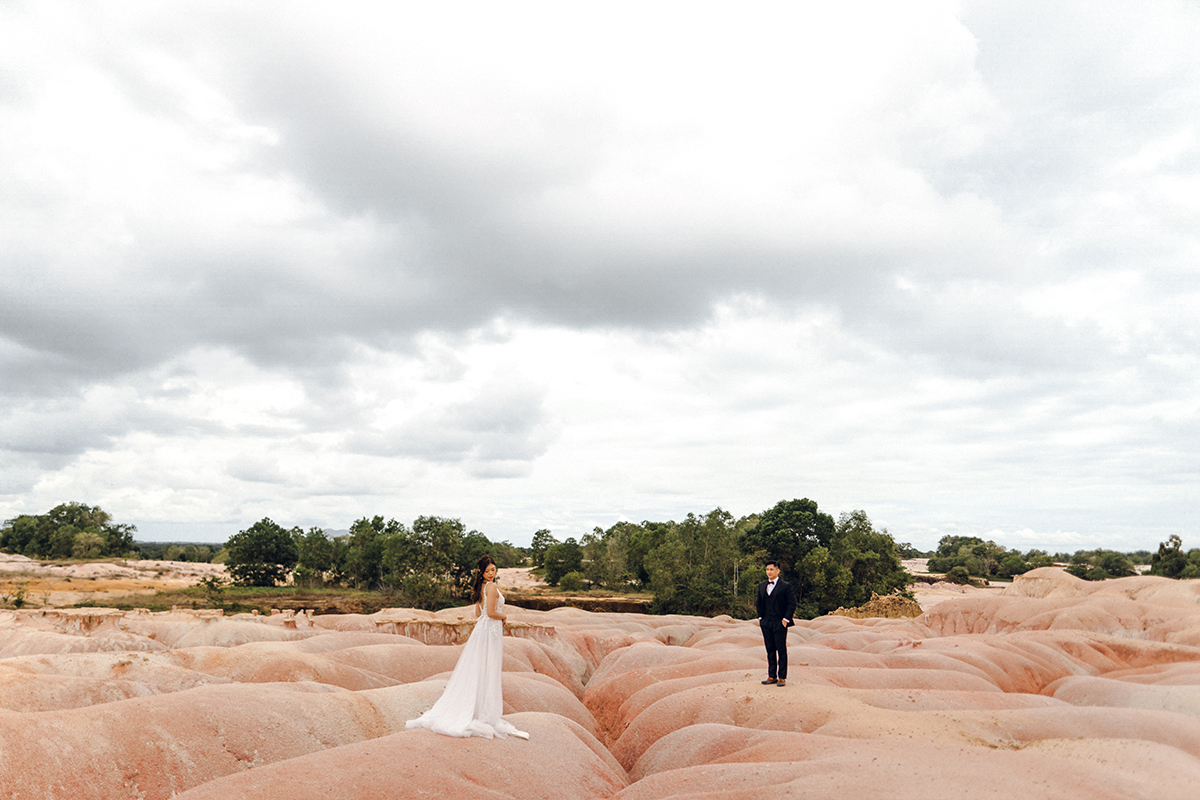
point(771, 561)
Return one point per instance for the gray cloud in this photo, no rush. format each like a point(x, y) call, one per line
point(478, 239)
point(454, 232)
point(53, 433)
point(256, 468)
point(497, 433)
point(1000, 198)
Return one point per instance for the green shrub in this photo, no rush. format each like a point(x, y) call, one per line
point(561, 559)
point(959, 575)
point(424, 591)
point(572, 582)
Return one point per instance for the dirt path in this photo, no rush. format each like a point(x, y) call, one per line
point(519, 579)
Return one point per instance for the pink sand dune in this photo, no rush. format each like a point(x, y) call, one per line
point(720, 762)
point(560, 761)
point(1051, 688)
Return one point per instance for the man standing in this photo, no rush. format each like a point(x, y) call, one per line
point(776, 605)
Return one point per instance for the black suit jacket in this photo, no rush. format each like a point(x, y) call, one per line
point(780, 604)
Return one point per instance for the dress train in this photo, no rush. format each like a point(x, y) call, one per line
point(473, 702)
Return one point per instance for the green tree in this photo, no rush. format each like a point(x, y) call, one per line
point(573, 582)
point(559, 559)
point(54, 534)
point(958, 575)
point(507, 554)
point(1170, 561)
point(27, 534)
point(315, 556)
point(88, 544)
point(368, 541)
point(1140, 557)
point(699, 568)
point(789, 532)
point(262, 554)
point(614, 568)
point(643, 539)
point(428, 562)
point(422, 591)
point(593, 546)
point(1118, 565)
point(214, 590)
point(977, 557)
point(1101, 564)
point(472, 546)
point(542, 540)
point(1013, 564)
point(870, 558)
point(834, 564)
point(1040, 558)
point(62, 541)
point(436, 545)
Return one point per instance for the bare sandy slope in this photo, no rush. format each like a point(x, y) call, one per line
point(1050, 688)
point(520, 579)
point(58, 585)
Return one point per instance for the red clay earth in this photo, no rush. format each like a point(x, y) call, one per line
point(1050, 688)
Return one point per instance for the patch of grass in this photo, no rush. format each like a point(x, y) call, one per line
point(245, 599)
point(593, 592)
point(15, 593)
point(126, 603)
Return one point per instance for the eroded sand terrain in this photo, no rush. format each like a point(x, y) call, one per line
point(1050, 688)
point(59, 585)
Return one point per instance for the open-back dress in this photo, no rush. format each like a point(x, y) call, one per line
point(473, 702)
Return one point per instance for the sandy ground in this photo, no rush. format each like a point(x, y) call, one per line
point(929, 595)
point(519, 579)
point(1058, 688)
point(66, 584)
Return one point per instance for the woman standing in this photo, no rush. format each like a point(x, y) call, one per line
point(472, 702)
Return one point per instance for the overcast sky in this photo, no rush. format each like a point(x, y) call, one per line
point(558, 265)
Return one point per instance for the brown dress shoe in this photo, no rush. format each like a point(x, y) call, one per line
point(781, 682)
point(769, 681)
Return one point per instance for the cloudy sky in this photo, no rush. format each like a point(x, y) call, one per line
point(557, 265)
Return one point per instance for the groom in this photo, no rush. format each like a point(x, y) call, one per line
point(776, 605)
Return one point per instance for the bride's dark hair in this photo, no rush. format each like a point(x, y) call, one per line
point(477, 587)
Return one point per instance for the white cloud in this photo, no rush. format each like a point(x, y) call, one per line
point(553, 266)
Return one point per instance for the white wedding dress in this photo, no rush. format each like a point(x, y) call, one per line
point(472, 702)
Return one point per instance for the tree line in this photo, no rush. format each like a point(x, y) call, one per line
point(428, 564)
point(712, 563)
point(703, 564)
point(964, 557)
point(69, 530)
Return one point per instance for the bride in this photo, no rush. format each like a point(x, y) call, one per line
point(472, 703)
